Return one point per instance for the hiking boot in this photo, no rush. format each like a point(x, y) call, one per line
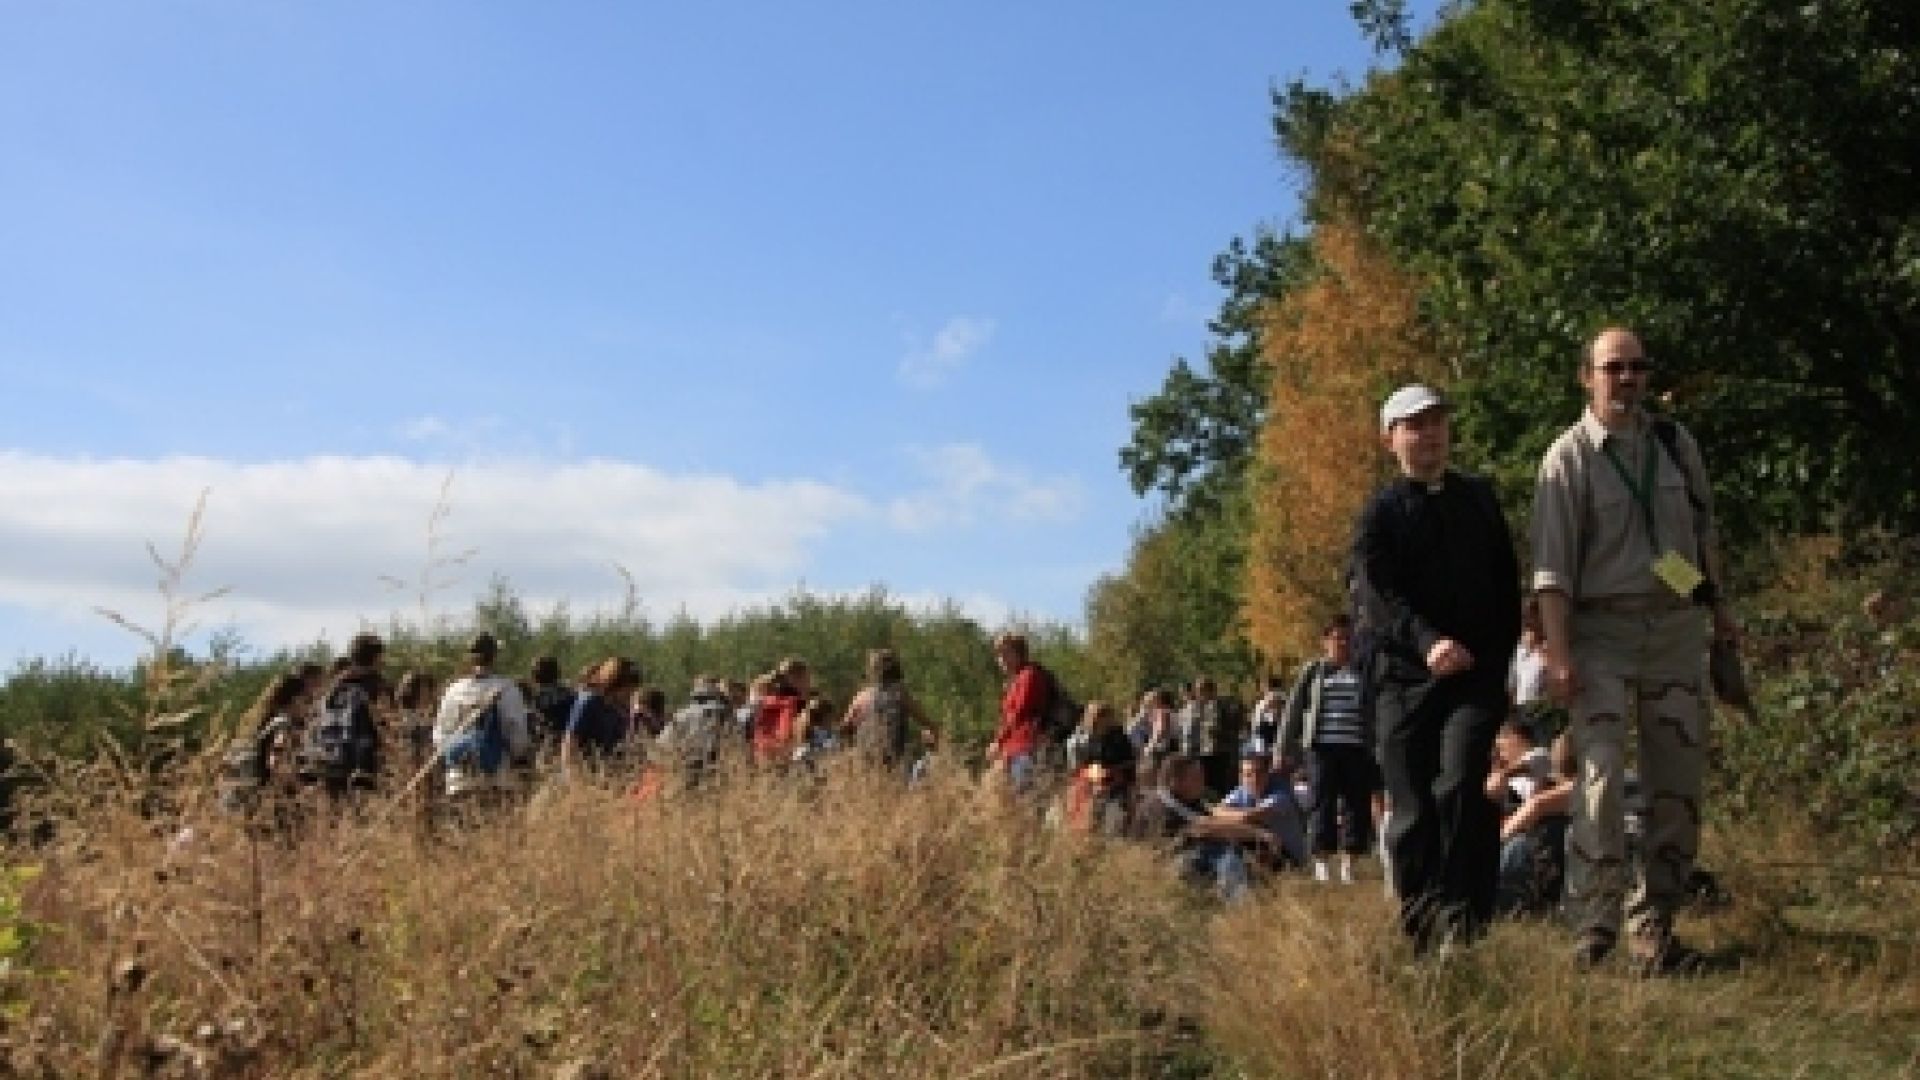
point(1592, 947)
point(1667, 956)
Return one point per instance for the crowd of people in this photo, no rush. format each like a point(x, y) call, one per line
point(1471, 735)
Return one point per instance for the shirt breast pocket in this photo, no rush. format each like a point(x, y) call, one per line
point(1674, 512)
point(1611, 504)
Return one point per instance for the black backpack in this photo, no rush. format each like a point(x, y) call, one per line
point(342, 744)
point(1061, 718)
point(554, 705)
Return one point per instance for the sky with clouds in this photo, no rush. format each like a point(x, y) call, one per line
point(736, 298)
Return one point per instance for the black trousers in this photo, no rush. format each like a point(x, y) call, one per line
point(1344, 780)
point(1436, 745)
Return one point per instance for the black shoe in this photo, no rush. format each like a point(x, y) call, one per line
point(1667, 957)
point(1592, 947)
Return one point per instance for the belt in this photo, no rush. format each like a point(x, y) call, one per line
point(1643, 604)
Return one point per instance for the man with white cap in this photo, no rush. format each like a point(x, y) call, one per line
point(1440, 585)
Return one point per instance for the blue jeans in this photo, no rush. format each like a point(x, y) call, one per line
point(1219, 865)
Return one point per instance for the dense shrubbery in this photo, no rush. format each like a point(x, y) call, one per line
point(1837, 734)
point(69, 708)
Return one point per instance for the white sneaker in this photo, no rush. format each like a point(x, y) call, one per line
point(1320, 870)
point(1346, 871)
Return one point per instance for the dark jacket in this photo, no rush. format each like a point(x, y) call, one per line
point(1438, 564)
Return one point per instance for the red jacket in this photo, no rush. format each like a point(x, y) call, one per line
point(1021, 709)
point(773, 724)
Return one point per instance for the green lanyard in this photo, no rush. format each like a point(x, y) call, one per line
point(1643, 491)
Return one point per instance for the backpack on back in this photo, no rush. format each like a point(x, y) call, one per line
point(697, 731)
point(243, 771)
point(885, 731)
point(480, 745)
point(1062, 715)
point(553, 706)
point(342, 744)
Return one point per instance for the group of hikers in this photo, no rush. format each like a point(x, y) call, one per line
point(1471, 729)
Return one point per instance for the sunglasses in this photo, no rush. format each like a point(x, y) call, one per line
point(1624, 367)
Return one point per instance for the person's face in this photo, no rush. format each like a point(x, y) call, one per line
point(1100, 777)
point(1616, 373)
point(1339, 645)
point(1008, 660)
point(1252, 776)
point(1421, 442)
point(1509, 746)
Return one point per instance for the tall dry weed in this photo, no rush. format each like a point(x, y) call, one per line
point(771, 927)
point(844, 927)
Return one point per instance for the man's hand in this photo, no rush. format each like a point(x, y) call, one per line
point(1563, 682)
point(1724, 627)
point(1448, 657)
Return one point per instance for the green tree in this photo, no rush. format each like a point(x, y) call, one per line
point(1737, 180)
point(1174, 610)
point(1193, 439)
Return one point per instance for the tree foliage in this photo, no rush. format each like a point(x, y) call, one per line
point(1174, 611)
point(1335, 347)
point(1737, 180)
point(66, 708)
point(1192, 440)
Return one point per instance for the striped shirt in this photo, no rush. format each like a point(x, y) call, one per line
point(1339, 710)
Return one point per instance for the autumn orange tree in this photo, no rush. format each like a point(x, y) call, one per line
point(1334, 347)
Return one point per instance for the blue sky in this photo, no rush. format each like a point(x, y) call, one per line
point(736, 296)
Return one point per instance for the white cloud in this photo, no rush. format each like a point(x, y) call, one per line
point(303, 544)
point(965, 484)
point(929, 364)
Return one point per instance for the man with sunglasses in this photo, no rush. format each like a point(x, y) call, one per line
point(1624, 561)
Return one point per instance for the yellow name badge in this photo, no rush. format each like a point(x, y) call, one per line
point(1677, 573)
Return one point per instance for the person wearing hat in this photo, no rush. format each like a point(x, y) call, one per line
point(1438, 582)
point(465, 705)
point(1625, 568)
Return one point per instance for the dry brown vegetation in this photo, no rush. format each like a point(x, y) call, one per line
point(844, 928)
point(773, 928)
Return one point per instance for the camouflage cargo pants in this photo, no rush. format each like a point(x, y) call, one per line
point(1640, 675)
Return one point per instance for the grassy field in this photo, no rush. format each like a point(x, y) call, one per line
point(845, 929)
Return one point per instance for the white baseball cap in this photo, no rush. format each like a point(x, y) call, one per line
point(1410, 400)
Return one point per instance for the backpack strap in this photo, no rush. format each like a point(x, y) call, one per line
point(573, 714)
point(1668, 434)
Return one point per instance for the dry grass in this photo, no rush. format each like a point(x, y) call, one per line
point(845, 929)
point(767, 929)
point(1824, 987)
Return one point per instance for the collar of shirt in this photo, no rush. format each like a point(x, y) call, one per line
point(1426, 488)
point(1596, 433)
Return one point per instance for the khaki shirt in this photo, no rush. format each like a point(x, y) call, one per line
point(1589, 535)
